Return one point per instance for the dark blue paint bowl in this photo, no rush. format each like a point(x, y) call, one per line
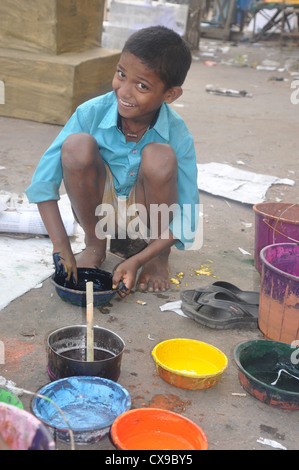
point(89, 404)
point(75, 294)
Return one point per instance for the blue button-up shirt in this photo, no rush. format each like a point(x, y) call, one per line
point(99, 117)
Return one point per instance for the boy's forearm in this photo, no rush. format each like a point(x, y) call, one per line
point(51, 217)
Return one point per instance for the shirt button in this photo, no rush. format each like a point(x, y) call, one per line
point(132, 173)
point(134, 151)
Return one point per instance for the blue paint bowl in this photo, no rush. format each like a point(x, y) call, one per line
point(90, 405)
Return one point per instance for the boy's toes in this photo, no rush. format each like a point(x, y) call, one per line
point(153, 286)
point(142, 286)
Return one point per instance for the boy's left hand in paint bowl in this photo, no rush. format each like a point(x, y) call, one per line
point(63, 269)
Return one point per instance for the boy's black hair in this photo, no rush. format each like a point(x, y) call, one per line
point(162, 50)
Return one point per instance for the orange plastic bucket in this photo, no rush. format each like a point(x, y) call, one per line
point(156, 429)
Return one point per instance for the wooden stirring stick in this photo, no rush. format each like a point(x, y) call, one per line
point(89, 323)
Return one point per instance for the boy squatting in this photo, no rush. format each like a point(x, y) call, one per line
point(126, 144)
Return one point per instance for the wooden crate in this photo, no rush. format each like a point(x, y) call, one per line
point(48, 88)
point(51, 26)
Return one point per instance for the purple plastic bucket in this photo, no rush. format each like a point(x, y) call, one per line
point(279, 295)
point(275, 222)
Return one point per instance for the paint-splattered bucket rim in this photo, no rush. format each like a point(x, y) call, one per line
point(271, 266)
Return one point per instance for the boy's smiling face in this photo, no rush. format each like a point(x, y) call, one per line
point(139, 90)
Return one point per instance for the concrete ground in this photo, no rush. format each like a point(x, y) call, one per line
point(261, 132)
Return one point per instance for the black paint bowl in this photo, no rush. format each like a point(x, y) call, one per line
point(75, 294)
point(67, 353)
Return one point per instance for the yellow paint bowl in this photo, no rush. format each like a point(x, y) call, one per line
point(188, 363)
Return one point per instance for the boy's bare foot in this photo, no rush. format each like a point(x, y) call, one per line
point(154, 276)
point(93, 255)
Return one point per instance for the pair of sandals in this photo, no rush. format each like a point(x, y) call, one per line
point(221, 306)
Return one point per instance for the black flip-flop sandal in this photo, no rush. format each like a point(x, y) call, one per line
point(248, 296)
point(224, 287)
point(220, 311)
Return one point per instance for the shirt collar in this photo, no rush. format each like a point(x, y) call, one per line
point(110, 118)
point(161, 125)
point(154, 120)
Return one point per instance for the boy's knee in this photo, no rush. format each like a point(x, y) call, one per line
point(79, 150)
point(159, 160)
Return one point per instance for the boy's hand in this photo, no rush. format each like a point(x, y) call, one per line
point(125, 272)
point(64, 260)
point(65, 265)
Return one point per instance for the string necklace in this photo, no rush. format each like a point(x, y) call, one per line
point(128, 131)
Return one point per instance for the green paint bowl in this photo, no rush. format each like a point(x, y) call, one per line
point(269, 371)
point(10, 399)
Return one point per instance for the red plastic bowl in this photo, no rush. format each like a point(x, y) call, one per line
point(156, 429)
